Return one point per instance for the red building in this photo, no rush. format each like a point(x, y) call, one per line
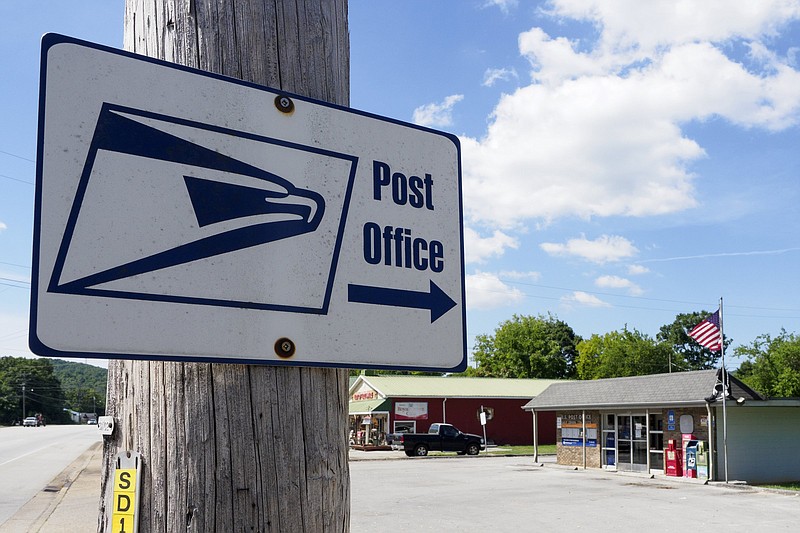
point(391, 404)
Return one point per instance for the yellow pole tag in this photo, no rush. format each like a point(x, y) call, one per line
point(125, 496)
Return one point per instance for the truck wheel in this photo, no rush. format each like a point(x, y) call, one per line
point(473, 449)
point(421, 450)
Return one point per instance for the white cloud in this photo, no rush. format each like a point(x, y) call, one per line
point(515, 275)
point(616, 282)
point(493, 75)
point(648, 26)
point(552, 153)
point(504, 5)
point(3, 226)
point(583, 299)
point(637, 270)
point(604, 249)
point(478, 249)
point(554, 60)
point(598, 131)
point(437, 115)
point(486, 291)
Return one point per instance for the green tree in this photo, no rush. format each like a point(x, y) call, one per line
point(373, 372)
point(84, 385)
point(676, 334)
point(621, 353)
point(84, 400)
point(773, 365)
point(8, 400)
point(527, 347)
point(42, 389)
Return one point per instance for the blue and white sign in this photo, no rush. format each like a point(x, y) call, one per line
point(187, 216)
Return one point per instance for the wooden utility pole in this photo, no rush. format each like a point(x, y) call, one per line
point(237, 447)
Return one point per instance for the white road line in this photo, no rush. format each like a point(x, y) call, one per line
point(27, 454)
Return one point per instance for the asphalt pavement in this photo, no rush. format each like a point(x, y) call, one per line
point(70, 502)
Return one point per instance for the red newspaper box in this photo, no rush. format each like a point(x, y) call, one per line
point(673, 460)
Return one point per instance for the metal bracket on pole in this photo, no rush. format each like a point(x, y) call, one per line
point(106, 425)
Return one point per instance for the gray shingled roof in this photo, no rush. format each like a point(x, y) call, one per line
point(679, 388)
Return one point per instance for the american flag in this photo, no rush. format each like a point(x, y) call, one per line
point(707, 333)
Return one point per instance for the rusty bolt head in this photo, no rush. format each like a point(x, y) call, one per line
point(284, 104)
point(284, 347)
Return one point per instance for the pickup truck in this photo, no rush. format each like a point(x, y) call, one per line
point(441, 438)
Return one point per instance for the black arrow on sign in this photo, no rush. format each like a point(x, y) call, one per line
point(434, 300)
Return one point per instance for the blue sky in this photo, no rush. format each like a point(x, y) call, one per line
point(623, 161)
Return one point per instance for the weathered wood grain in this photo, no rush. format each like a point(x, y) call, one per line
point(237, 447)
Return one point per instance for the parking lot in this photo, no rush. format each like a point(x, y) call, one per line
point(501, 494)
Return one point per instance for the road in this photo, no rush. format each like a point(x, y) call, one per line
point(31, 457)
point(513, 494)
point(442, 494)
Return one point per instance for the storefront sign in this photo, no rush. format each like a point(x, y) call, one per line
point(368, 395)
point(575, 418)
point(365, 392)
point(590, 443)
point(411, 410)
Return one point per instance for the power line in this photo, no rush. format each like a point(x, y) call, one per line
point(17, 284)
point(26, 182)
point(682, 302)
point(636, 298)
point(13, 335)
point(15, 265)
point(17, 156)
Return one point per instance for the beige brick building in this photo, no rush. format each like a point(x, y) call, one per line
point(645, 423)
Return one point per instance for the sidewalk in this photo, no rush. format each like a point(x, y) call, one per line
point(69, 503)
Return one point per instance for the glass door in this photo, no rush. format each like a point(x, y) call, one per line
point(656, 442)
point(609, 442)
point(624, 442)
point(639, 443)
point(632, 443)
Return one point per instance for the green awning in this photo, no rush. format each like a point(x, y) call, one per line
point(367, 406)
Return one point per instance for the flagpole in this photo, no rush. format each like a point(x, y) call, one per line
point(724, 393)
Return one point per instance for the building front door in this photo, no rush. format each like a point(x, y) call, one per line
point(631, 443)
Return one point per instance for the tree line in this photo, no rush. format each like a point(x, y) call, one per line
point(547, 348)
point(29, 387)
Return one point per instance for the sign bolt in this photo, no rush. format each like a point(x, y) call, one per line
point(284, 104)
point(284, 347)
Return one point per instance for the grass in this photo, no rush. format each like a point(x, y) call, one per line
point(791, 485)
point(544, 449)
